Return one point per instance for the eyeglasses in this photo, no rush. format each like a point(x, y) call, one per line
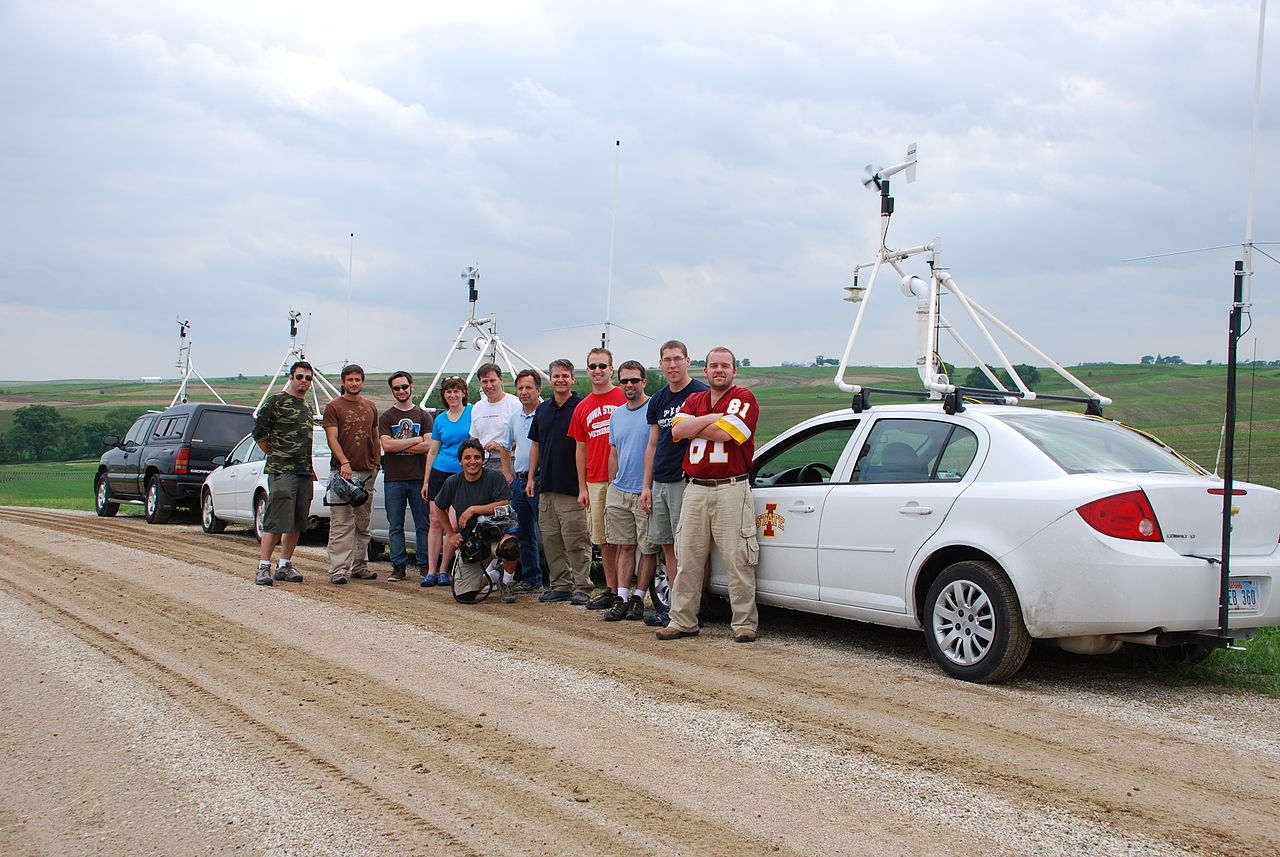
point(301, 377)
point(597, 365)
point(630, 380)
point(399, 387)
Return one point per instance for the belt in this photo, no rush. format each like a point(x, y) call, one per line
point(522, 475)
point(711, 483)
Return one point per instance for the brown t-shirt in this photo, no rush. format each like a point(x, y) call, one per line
point(397, 423)
point(357, 424)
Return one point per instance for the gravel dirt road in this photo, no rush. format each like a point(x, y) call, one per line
point(156, 702)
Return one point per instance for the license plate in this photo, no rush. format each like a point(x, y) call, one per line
point(1242, 595)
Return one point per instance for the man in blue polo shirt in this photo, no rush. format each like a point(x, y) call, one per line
point(515, 467)
point(553, 457)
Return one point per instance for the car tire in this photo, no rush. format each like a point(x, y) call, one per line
point(102, 499)
point(660, 589)
point(209, 520)
point(153, 504)
point(973, 623)
point(259, 515)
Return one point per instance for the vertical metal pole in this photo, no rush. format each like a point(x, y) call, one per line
point(1228, 448)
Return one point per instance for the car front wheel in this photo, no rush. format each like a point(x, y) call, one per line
point(259, 515)
point(209, 521)
point(660, 589)
point(102, 499)
point(973, 623)
point(154, 505)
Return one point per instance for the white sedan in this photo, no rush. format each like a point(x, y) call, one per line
point(236, 492)
point(998, 525)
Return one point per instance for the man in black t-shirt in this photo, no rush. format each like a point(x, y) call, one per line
point(472, 493)
point(404, 431)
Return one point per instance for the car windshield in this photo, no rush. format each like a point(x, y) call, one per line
point(1098, 446)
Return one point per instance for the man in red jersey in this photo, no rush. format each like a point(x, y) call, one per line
point(720, 426)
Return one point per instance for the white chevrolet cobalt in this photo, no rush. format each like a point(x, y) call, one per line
point(236, 492)
point(998, 525)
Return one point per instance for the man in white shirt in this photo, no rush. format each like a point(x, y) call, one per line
point(491, 415)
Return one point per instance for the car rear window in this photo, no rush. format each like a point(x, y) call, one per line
point(223, 428)
point(1097, 446)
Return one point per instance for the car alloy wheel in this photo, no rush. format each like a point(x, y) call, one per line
point(102, 500)
point(974, 626)
point(209, 521)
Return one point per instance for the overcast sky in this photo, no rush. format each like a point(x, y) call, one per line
point(211, 161)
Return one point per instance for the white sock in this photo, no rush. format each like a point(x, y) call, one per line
point(639, 593)
point(264, 563)
point(624, 593)
point(508, 577)
point(285, 563)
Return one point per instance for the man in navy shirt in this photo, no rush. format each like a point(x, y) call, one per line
point(563, 523)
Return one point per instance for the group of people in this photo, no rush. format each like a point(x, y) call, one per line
point(636, 475)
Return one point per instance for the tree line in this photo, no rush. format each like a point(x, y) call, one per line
point(41, 433)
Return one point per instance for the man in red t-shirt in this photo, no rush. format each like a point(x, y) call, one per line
point(590, 429)
point(720, 425)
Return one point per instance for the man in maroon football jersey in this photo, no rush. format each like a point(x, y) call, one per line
point(720, 425)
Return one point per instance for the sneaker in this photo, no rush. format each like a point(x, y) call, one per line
point(338, 579)
point(263, 577)
point(603, 601)
point(554, 595)
point(508, 591)
point(673, 634)
point(427, 580)
point(365, 574)
point(579, 599)
point(526, 586)
point(397, 574)
point(744, 637)
point(287, 574)
point(443, 579)
point(617, 612)
point(635, 609)
point(658, 620)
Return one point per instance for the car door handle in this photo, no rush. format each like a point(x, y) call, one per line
point(915, 509)
point(801, 507)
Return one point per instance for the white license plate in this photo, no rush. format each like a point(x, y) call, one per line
point(1242, 595)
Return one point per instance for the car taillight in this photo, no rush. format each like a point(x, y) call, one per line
point(183, 463)
point(1123, 516)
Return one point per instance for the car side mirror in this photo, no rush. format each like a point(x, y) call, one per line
point(110, 440)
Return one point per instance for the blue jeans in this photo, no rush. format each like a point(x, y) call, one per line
point(397, 494)
point(529, 536)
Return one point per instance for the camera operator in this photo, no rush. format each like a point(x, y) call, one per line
point(470, 494)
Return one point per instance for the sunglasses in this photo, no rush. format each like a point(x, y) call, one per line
point(597, 365)
point(399, 387)
point(301, 377)
point(630, 380)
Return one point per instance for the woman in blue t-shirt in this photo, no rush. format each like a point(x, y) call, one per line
point(448, 431)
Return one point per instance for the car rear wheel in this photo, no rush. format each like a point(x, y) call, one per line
point(102, 499)
point(209, 520)
point(660, 589)
point(973, 623)
point(153, 507)
point(259, 515)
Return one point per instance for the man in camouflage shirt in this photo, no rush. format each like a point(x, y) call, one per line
point(283, 431)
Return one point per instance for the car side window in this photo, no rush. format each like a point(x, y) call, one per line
point(902, 451)
point(170, 428)
point(256, 453)
point(957, 456)
point(138, 430)
point(808, 459)
point(241, 453)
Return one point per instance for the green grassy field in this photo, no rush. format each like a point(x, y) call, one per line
point(52, 485)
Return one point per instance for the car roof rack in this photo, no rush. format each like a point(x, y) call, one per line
point(927, 293)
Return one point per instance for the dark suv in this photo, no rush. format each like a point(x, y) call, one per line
point(163, 459)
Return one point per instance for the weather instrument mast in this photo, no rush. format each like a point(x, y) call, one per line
point(929, 320)
point(188, 367)
point(491, 347)
point(319, 383)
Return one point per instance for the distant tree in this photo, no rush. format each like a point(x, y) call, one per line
point(1030, 376)
point(977, 379)
point(699, 363)
point(745, 361)
point(1171, 360)
point(1148, 359)
point(37, 431)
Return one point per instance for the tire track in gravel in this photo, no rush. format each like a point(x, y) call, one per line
point(345, 743)
point(1192, 794)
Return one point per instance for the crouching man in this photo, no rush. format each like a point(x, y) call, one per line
point(469, 494)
